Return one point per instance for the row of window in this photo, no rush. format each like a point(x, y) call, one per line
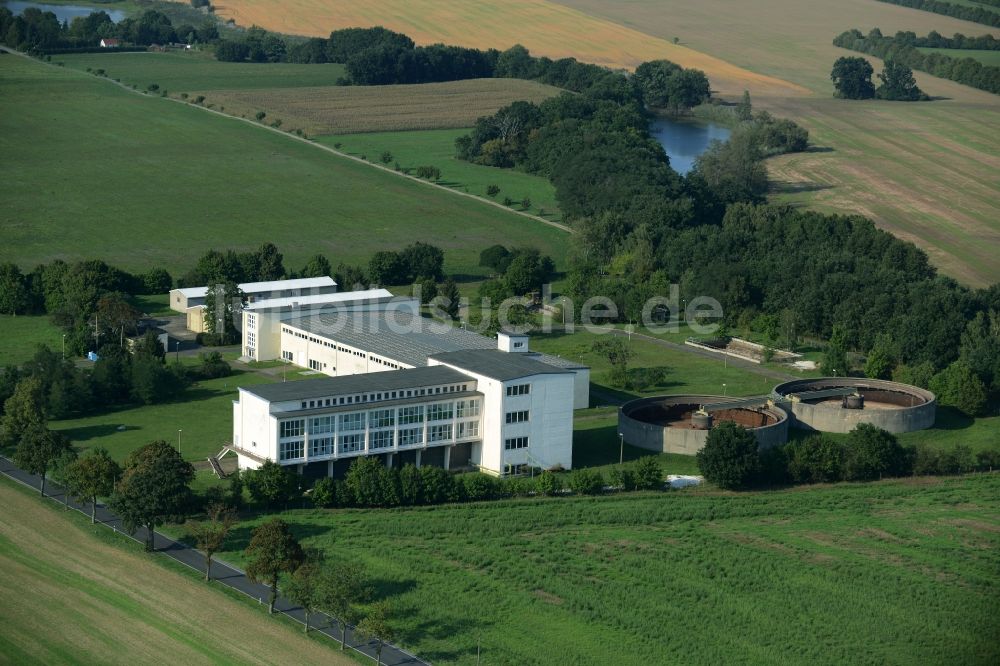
point(515, 443)
point(519, 389)
point(378, 419)
point(381, 439)
point(386, 395)
point(517, 417)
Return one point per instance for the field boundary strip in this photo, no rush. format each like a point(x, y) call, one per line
point(222, 572)
point(308, 142)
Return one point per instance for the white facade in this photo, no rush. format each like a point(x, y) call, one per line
point(514, 413)
point(527, 422)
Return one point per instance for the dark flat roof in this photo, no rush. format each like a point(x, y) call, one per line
point(388, 380)
point(499, 365)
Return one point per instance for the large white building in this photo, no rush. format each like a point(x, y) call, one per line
point(403, 387)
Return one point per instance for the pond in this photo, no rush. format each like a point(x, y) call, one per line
point(62, 12)
point(684, 140)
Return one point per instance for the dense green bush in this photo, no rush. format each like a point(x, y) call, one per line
point(586, 481)
point(729, 458)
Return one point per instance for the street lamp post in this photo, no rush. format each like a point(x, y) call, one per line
point(64, 346)
point(179, 440)
point(724, 391)
point(621, 447)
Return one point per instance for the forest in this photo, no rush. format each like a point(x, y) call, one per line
point(902, 48)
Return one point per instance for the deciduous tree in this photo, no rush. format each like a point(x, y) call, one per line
point(343, 587)
point(154, 488)
point(210, 534)
point(375, 625)
point(38, 449)
point(273, 550)
point(93, 476)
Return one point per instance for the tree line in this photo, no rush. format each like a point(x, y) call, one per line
point(902, 50)
point(36, 30)
point(731, 459)
point(936, 40)
point(964, 12)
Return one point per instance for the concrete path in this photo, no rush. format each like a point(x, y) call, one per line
point(223, 573)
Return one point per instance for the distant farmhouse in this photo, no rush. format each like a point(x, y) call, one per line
point(110, 43)
point(402, 387)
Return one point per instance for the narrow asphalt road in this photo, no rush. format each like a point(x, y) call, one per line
point(223, 573)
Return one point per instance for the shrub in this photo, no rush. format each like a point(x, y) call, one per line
point(324, 493)
point(548, 484)
point(648, 475)
point(213, 365)
point(437, 484)
point(958, 386)
point(271, 484)
point(371, 484)
point(817, 459)
point(729, 458)
point(586, 481)
point(871, 453)
point(411, 487)
point(479, 487)
point(622, 478)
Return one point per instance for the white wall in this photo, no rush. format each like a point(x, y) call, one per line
point(254, 429)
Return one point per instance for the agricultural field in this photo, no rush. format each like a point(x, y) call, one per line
point(349, 109)
point(177, 71)
point(59, 608)
point(991, 58)
point(905, 568)
point(900, 164)
point(201, 180)
point(437, 148)
point(544, 27)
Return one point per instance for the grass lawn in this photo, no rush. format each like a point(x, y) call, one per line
point(437, 148)
point(175, 181)
point(199, 70)
point(76, 593)
point(906, 569)
point(204, 413)
point(21, 335)
point(991, 58)
point(685, 373)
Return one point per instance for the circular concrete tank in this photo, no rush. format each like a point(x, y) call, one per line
point(888, 405)
point(669, 423)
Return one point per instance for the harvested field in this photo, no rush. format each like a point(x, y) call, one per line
point(71, 598)
point(350, 109)
point(544, 27)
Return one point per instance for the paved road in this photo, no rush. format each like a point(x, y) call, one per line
point(221, 572)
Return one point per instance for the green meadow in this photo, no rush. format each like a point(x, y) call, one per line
point(93, 170)
point(437, 148)
point(900, 572)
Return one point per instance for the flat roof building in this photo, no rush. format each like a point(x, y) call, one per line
point(404, 387)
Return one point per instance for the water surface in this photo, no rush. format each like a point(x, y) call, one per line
point(62, 12)
point(684, 140)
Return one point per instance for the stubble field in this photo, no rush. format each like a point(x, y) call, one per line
point(349, 109)
point(544, 27)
